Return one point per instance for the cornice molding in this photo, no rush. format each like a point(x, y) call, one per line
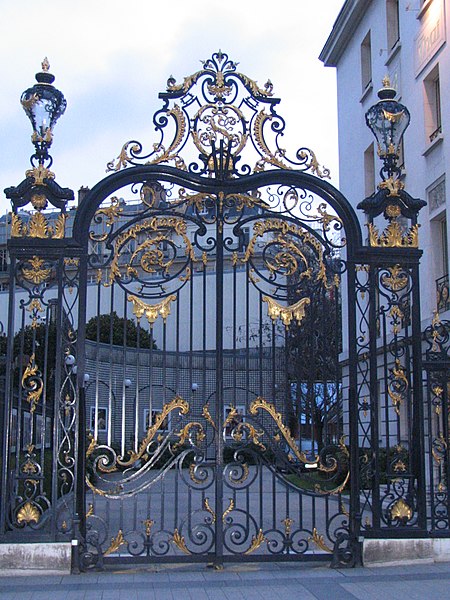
point(343, 30)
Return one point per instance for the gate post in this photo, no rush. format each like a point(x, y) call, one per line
point(392, 438)
point(39, 438)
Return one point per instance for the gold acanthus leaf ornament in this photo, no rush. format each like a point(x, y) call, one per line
point(319, 541)
point(401, 511)
point(208, 508)
point(186, 434)
point(257, 541)
point(397, 280)
point(394, 236)
point(32, 383)
point(207, 415)
point(286, 313)
point(116, 542)
point(393, 186)
point(179, 541)
point(38, 273)
point(228, 510)
point(151, 311)
point(39, 174)
point(28, 513)
point(398, 385)
point(38, 225)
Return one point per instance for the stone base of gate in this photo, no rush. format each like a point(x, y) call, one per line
point(49, 557)
point(391, 551)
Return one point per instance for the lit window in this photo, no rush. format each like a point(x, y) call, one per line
point(366, 62)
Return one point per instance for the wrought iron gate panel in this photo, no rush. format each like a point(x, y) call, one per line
point(41, 398)
point(437, 418)
point(216, 284)
point(389, 399)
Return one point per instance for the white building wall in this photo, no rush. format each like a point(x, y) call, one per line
point(424, 27)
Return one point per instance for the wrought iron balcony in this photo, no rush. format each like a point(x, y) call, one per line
point(442, 294)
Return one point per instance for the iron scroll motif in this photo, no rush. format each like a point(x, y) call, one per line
point(222, 113)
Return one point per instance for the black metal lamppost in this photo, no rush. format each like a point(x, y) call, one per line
point(43, 105)
point(388, 121)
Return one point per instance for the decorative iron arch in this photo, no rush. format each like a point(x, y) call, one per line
point(152, 173)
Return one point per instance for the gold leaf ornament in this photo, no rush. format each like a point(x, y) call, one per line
point(401, 511)
point(28, 514)
point(38, 273)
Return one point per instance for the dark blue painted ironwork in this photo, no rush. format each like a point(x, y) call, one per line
point(231, 249)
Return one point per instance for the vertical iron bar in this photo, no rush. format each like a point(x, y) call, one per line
point(219, 381)
point(9, 400)
point(355, 504)
point(418, 447)
point(373, 398)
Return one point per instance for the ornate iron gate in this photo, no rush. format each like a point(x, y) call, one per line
point(209, 357)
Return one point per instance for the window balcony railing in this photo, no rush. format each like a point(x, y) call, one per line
point(443, 294)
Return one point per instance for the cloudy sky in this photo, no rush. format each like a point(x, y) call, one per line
point(111, 58)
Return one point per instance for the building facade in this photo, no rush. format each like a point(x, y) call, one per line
point(406, 41)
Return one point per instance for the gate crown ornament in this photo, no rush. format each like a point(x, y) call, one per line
point(222, 113)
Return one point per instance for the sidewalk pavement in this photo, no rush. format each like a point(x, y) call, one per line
point(269, 581)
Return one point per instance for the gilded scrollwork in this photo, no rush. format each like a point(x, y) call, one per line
point(257, 541)
point(32, 383)
point(397, 280)
point(227, 117)
point(262, 404)
point(116, 543)
point(193, 433)
point(397, 385)
point(180, 542)
point(319, 541)
point(149, 248)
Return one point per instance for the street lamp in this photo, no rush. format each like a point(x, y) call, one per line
point(43, 105)
point(388, 120)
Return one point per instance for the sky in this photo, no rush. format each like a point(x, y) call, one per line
point(111, 59)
